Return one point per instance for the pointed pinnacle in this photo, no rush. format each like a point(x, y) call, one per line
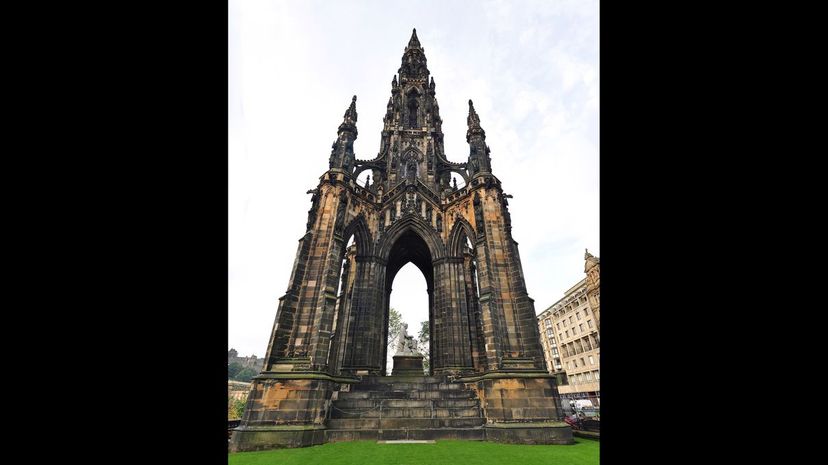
point(414, 42)
point(473, 119)
point(351, 112)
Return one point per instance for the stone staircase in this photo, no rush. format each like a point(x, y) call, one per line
point(405, 407)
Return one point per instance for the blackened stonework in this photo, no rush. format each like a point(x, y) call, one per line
point(326, 357)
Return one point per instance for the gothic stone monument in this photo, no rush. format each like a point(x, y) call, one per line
point(324, 377)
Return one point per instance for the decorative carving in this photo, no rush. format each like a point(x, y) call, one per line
point(340, 213)
point(411, 170)
point(439, 223)
point(314, 208)
point(478, 214)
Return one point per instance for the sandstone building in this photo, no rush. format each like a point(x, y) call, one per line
point(571, 340)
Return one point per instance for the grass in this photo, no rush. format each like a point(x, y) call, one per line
point(583, 452)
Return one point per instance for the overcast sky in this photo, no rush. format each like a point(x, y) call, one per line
point(531, 68)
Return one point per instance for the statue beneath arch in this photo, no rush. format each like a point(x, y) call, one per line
point(324, 377)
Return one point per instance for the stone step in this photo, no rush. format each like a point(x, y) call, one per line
point(400, 423)
point(474, 412)
point(408, 403)
point(404, 379)
point(414, 395)
point(468, 434)
point(407, 386)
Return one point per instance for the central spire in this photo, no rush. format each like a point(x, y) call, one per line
point(413, 66)
point(414, 42)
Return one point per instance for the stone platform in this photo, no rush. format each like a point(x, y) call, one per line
point(510, 408)
point(405, 408)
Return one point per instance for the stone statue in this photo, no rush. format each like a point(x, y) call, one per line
point(406, 344)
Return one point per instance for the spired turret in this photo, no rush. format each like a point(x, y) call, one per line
point(479, 161)
point(342, 149)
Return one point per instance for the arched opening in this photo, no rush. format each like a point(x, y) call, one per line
point(365, 178)
point(409, 248)
point(409, 297)
point(344, 293)
point(457, 181)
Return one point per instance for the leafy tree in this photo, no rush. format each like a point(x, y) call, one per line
point(394, 328)
point(422, 343)
point(233, 369)
point(246, 374)
point(235, 408)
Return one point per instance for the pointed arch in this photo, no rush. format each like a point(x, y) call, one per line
point(455, 239)
point(362, 235)
point(420, 227)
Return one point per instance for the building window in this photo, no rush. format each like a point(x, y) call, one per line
point(578, 315)
point(559, 326)
point(589, 376)
point(585, 342)
point(570, 319)
point(564, 321)
point(582, 362)
point(547, 322)
point(591, 360)
point(573, 331)
point(581, 327)
point(566, 333)
point(580, 378)
point(585, 311)
point(589, 323)
point(596, 376)
point(560, 336)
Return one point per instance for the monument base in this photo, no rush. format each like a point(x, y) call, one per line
point(408, 365)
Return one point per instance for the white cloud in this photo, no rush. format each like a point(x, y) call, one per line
point(530, 67)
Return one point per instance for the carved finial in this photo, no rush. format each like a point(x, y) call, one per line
point(431, 84)
point(368, 181)
point(351, 113)
point(473, 120)
point(394, 81)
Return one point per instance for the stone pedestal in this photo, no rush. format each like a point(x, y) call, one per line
point(285, 410)
point(408, 365)
point(521, 408)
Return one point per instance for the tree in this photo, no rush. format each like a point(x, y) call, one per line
point(394, 328)
point(233, 369)
point(246, 374)
point(235, 408)
point(422, 344)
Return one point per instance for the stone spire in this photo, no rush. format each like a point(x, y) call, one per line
point(414, 42)
point(479, 161)
point(473, 122)
point(413, 66)
point(350, 118)
point(342, 150)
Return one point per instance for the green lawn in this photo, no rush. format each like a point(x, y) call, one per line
point(583, 452)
